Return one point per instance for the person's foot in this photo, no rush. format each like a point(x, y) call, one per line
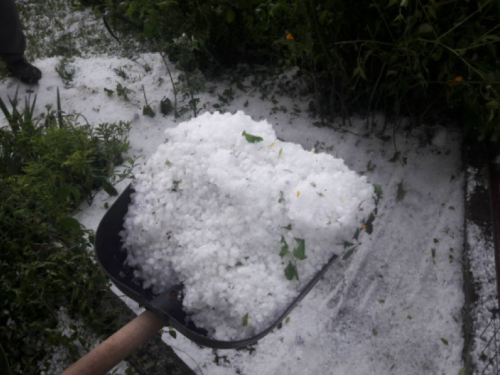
point(24, 71)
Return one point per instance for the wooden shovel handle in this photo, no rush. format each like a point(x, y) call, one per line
point(112, 351)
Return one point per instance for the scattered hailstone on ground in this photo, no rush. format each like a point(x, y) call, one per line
point(239, 217)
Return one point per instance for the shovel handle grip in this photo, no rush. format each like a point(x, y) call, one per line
point(112, 351)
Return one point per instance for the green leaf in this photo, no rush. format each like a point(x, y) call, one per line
point(5, 111)
point(69, 223)
point(280, 153)
point(63, 193)
point(172, 333)
point(282, 198)
point(166, 106)
point(108, 188)
point(437, 55)
point(378, 194)
point(431, 11)
point(425, 29)
point(313, 184)
point(374, 332)
point(164, 5)
point(252, 138)
point(284, 247)
point(300, 251)
point(230, 16)
point(108, 92)
point(493, 104)
point(356, 234)
point(148, 111)
point(288, 227)
point(244, 321)
point(349, 253)
point(238, 264)
point(151, 24)
point(369, 224)
point(444, 341)
point(291, 271)
point(461, 371)
point(347, 244)
point(395, 157)
point(60, 120)
point(287, 320)
point(401, 192)
point(175, 185)
point(358, 71)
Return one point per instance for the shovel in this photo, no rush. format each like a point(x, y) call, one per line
point(165, 309)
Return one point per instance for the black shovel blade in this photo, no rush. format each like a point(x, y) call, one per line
point(167, 306)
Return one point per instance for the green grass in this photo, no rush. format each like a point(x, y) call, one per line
point(48, 167)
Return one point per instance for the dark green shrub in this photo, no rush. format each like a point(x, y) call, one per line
point(222, 33)
point(420, 58)
point(407, 57)
point(47, 168)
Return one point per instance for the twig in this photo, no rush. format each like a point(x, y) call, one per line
point(383, 19)
point(313, 16)
point(362, 41)
point(176, 348)
point(373, 93)
point(463, 21)
point(395, 145)
point(145, 99)
point(461, 58)
point(173, 83)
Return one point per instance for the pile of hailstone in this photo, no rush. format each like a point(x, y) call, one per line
point(239, 217)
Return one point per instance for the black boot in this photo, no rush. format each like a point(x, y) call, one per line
point(24, 71)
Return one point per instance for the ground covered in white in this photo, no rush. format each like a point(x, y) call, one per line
point(392, 306)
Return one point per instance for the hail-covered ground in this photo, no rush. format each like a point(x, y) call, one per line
point(391, 306)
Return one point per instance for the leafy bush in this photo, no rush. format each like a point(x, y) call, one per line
point(413, 57)
point(417, 58)
point(222, 33)
point(47, 168)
